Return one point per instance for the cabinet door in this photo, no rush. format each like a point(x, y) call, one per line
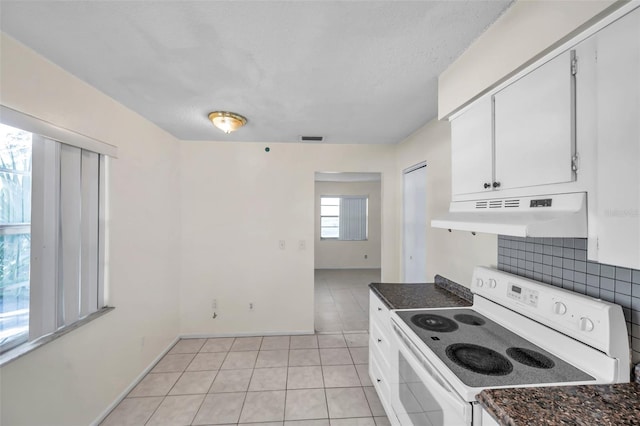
point(618, 132)
point(534, 127)
point(472, 149)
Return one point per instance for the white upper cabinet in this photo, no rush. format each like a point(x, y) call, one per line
point(472, 149)
point(534, 127)
point(617, 91)
point(522, 136)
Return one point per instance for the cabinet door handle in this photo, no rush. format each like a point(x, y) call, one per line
point(379, 340)
point(496, 184)
point(379, 308)
point(487, 185)
point(378, 380)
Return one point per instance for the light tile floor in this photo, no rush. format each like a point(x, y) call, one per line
point(342, 299)
point(316, 380)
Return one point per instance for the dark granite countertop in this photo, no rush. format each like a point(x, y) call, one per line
point(427, 295)
point(602, 405)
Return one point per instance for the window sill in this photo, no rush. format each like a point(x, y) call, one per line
point(25, 348)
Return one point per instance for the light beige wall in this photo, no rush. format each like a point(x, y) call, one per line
point(72, 380)
point(238, 202)
point(523, 32)
point(334, 254)
point(450, 254)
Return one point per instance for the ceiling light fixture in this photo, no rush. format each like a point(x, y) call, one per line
point(227, 121)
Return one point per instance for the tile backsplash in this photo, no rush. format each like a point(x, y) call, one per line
point(563, 262)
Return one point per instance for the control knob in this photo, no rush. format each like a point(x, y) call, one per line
point(586, 324)
point(559, 308)
point(492, 283)
point(479, 282)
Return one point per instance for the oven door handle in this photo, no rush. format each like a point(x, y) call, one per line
point(420, 359)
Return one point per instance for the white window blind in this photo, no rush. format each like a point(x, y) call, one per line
point(353, 218)
point(52, 263)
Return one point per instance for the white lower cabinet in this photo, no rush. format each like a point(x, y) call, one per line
point(380, 334)
point(487, 420)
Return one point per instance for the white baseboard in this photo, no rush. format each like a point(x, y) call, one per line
point(247, 334)
point(133, 384)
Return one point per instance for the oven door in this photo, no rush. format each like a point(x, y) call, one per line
point(420, 396)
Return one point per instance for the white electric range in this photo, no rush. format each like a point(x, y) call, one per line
point(518, 333)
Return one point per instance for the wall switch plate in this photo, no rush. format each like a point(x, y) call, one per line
point(302, 245)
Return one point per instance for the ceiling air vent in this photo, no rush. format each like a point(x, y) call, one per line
point(311, 138)
point(512, 203)
point(495, 204)
point(481, 204)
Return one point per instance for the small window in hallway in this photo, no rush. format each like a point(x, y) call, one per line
point(344, 217)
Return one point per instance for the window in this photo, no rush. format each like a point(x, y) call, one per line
point(344, 217)
point(51, 232)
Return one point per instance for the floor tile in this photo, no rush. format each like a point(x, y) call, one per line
point(173, 363)
point(236, 360)
point(268, 379)
point(340, 376)
point(360, 355)
point(133, 411)
point(176, 410)
point(271, 343)
point(357, 339)
point(359, 421)
point(207, 361)
point(276, 358)
point(220, 408)
point(187, 346)
point(219, 344)
point(305, 377)
point(155, 384)
point(246, 344)
point(304, 342)
point(306, 404)
point(335, 356)
point(193, 383)
point(300, 357)
point(260, 424)
point(316, 422)
point(263, 407)
point(331, 341)
point(347, 402)
point(382, 421)
point(374, 401)
point(231, 381)
point(363, 374)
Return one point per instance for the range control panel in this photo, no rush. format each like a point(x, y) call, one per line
point(522, 294)
point(582, 317)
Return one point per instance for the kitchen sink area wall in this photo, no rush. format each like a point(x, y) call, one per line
point(563, 263)
point(338, 254)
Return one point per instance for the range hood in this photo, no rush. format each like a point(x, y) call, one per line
point(558, 215)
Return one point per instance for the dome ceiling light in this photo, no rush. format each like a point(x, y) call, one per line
point(227, 121)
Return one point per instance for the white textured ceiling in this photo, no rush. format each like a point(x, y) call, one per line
point(351, 71)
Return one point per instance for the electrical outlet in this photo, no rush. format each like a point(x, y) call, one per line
point(251, 306)
point(366, 256)
point(281, 244)
point(302, 245)
point(214, 304)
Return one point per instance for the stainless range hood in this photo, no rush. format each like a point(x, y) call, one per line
point(558, 215)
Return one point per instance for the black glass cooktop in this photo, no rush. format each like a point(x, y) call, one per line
point(482, 353)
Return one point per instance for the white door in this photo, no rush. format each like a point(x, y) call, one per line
point(414, 220)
